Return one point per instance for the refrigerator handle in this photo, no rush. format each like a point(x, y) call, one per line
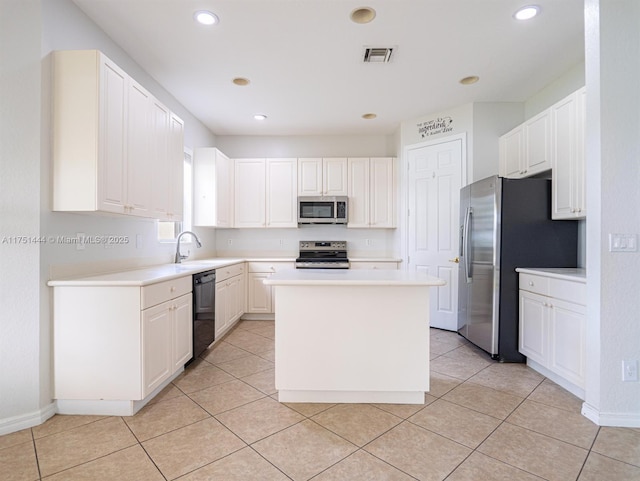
point(466, 242)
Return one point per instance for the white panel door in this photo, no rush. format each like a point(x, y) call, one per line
point(282, 193)
point(250, 180)
point(138, 165)
point(434, 181)
point(334, 176)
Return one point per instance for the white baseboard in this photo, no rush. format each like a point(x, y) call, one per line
point(622, 420)
point(559, 380)
point(28, 420)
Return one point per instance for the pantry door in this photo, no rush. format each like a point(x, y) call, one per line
point(433, 204)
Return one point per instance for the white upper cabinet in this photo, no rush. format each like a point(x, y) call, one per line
point(371, 192)
point(265, 193)
point(249, 193)
point(526, 150)
point(281, 192)
point(176, 168)
point(318, 176)
point(110, 142)
point(567, 157)
point(212, 188)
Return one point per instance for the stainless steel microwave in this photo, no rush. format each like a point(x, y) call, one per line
point(323, 210)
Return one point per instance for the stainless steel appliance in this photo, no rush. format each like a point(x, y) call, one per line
point(204, 311)
point(323, 255)
point(504, 224)
point(323, 210)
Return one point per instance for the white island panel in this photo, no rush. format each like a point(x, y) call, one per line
point(352, 336)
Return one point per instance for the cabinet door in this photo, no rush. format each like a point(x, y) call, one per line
point(112, 149)
point(382, 192)
point(580, 178)
point(156, 346)
point(310, 176)
point(259, 298)
point(359, 189)
point(563, 155)
point(511, 153)
point(224, 191)
point(138, 166)
point(334, 176)
point(176, 168)
point(249, 198)
point(182, 331)
point(281, 190)
point(567, 340)
point(221, 309)
point(537, 134)
point(160, 171)
point(533, 327)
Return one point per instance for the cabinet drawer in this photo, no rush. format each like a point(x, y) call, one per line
point(224, 273)
point(536, 284)
point(374, 265)
point(270, 266)
point(569, 291)
point(155, 294)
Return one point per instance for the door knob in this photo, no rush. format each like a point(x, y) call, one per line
point(456, 260)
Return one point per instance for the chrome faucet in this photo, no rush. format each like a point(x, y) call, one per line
point(180, 257)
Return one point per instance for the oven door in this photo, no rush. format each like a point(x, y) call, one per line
point(313, 210)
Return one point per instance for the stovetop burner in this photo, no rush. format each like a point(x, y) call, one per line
point(323, 255)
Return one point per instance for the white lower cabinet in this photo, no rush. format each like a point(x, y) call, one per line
point(552, 328)
point(230, 297)
point(114, 346)
point(259, 296)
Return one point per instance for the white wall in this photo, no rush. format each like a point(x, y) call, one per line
point(24, 336)
point(613, 199)
point(564, 85)
point(29, 31)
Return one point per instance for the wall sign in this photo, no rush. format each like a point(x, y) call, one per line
point(437, 126)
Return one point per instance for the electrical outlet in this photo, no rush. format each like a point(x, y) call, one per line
point(630, 370)
point(281, 242)
point(229, 242)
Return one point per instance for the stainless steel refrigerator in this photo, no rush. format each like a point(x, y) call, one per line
point(504, 224)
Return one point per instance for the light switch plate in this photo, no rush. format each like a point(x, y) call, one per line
point(623, 242)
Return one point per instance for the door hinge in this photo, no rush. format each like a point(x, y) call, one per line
point(408, 259)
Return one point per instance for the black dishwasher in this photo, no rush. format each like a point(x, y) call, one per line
point(204, 311)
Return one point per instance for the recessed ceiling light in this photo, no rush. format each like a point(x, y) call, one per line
point(369, 116)
point(526, 13)
point(469, 80)
point(205, 17)
point(363, 15)
point(260, 117)
point(241, 81)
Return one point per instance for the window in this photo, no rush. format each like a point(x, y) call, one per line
point(168, 231)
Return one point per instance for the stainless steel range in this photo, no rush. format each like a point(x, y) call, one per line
point(323, 255)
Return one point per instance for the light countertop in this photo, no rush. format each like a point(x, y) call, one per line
point(147, 275)
point(575, 274)
point(360, 277)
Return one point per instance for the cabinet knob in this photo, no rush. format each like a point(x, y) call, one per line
point(531, 283)
point(172, 289)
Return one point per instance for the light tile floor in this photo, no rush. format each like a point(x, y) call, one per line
point(220, 421)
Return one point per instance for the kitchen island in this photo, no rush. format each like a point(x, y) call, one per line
point(352, 336)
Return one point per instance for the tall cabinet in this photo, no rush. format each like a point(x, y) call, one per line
point(212, 188)
point(115, 147)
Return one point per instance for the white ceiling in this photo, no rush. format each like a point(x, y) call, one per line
point(304, 57)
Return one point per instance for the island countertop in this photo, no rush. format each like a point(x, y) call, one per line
point(355, 277)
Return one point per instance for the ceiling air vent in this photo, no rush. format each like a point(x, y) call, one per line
point(377, 54)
